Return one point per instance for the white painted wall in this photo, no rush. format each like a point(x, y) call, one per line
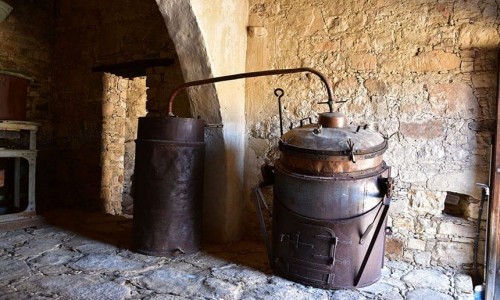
point(210, 40)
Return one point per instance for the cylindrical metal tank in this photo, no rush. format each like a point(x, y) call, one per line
point(331, 195)
point(168, 185)
point(13, 92)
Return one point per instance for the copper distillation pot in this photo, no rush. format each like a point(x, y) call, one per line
point(331, 193)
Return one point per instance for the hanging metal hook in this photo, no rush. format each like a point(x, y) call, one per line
point(279, 92)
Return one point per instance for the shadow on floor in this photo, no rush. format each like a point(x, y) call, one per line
point(117, 231)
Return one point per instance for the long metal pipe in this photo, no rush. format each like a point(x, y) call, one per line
point(181, 87)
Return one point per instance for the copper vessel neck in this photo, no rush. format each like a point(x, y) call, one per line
point(332, 120)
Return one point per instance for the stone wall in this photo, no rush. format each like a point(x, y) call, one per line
point(27, 37)
point(26, 46)
point(136, 107)
point(114, 112)
point(123, 103)
point(95, 34)
point(422, 72)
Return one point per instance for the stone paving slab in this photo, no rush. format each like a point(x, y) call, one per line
point(72, 260)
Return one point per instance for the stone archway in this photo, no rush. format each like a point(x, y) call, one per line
point(210, 40)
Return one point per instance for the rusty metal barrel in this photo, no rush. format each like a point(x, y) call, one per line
point(168, 185)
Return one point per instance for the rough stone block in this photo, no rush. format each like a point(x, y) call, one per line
point(425, 226)
point(430, 129)
point(416, 244)
point(428, 293)
point(478, 36)
point(463, 182)
point(427, 278)
point(463, 283)
point(472, 210)
point(256, 32)
point(378, 288)
point(311, 20)
point(467, 66)
point(398, 206)
point(416, 36)
point(462, 240)
point(394, 247)
point(347, 86)
point(454, 99)
point(468, 55)
point(452, 254)
point(326, 46)
point(436, 60)
point(407, 175)
point(426, 200)
point(383, 42)
point(456, 230)
point(486, 80)
point(375, 87)
point(408, 256)
point(404, 222)
point(423, 258)
point(486, 60)
point(363, 62)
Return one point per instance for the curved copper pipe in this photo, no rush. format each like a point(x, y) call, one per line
point(180, 87)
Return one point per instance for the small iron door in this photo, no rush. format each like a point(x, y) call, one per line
point(308, 253)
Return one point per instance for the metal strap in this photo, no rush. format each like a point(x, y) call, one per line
point(386, 202)
point(258, 199)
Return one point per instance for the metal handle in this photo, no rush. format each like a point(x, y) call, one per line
point(179, 88)
point(301, 121)
point(258, 199)
point(267, 180)
point(389, 188)
point(279, 92)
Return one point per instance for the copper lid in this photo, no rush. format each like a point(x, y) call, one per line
point(334, 141)
point(317, 150)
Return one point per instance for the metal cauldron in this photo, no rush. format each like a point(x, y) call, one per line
point(331, 194)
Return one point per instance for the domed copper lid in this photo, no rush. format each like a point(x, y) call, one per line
point(331, 137)
point(331, 147)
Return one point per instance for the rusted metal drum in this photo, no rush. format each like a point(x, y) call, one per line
point(13, 92)
point(331, 196)
point(168, 185)
point(354, 194)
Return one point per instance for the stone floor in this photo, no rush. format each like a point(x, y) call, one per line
point(82, 256)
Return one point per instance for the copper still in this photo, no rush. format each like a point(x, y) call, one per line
point(331, 194)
